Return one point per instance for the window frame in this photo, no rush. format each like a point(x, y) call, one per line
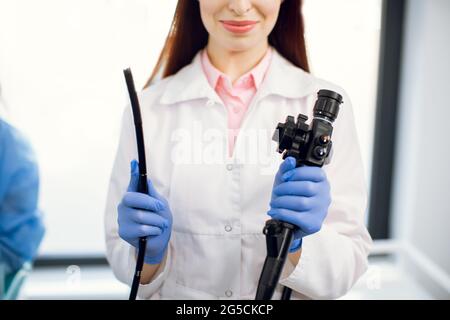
point(384, 145)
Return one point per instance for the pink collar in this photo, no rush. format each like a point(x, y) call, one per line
point(257, 73)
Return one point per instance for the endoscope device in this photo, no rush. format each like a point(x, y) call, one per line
point(142, 183)
point(310, 146)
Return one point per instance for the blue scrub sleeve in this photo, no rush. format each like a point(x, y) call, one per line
point(21, 227)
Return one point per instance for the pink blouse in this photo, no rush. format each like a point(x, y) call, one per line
point(236, 97)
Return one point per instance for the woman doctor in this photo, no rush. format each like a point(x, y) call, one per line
point(233, 69)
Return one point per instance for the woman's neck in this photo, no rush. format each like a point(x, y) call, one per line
point(235, 63)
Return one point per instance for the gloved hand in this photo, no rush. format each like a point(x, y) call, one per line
point(142, 215)
point(300, 196)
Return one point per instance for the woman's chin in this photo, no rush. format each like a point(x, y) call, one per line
point(239, 44)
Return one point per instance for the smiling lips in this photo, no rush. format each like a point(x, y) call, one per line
point(238, 26)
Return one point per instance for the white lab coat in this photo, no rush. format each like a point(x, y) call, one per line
point(219, 203)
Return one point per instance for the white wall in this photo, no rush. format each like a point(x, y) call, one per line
point(422, 183)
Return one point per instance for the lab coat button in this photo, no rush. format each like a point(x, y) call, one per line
point(228, 228)
point(229, 167)
point(228, 293)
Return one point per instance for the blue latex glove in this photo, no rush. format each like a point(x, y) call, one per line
point(300, 196)
point(142, 215)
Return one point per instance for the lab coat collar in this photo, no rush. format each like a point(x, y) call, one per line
point(282, 78)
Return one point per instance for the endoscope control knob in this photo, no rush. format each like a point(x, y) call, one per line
point(320, 152)
point(324, 139)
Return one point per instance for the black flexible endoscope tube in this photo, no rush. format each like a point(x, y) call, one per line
point(142, 184)
point(277, 251)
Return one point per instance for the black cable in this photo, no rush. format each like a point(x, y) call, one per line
point(286, 295)
point(138, 270)
point(142, 183)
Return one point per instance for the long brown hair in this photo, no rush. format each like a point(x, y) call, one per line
point(188, 35)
